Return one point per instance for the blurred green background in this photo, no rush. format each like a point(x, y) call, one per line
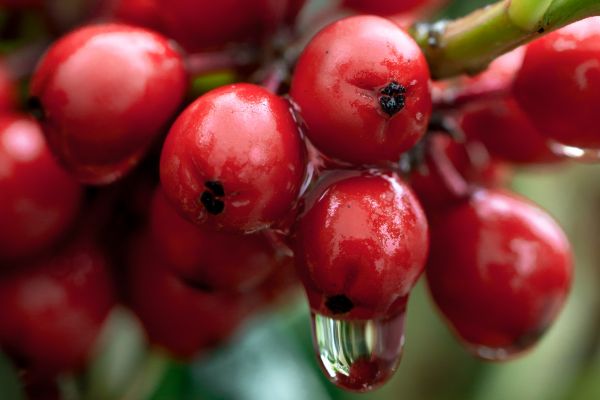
point(272, 357)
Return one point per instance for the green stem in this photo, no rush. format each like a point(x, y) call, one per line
point(469, 44)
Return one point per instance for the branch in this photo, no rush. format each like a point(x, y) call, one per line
point(469, 44)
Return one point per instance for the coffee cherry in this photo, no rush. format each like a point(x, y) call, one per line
point(506, 132)
point(495, 82)
point(234, 159)
point(7, 90)
point(452, 170)
point(204, 24)
point(53, 310)
point(176, 316)
point(387, 7)
point(38, 200)
point(558, 86)
point(360, 245)
point(361, 86)
point(103, 93)
point(204, 258)
point(145, 13)
point(499, 270)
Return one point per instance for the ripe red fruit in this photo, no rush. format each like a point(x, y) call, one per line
point(204, 24)
point(360, 246)
point(53, 310)
point(7, 90)
point(452, 170)
point(506, 132)
point(38, 200)
point(204, 258)
point(103, 93)
point(496, 81)
point(178, 317)
point(558, 85)
point(234, 159)
point(499, 270)
point(388, 7)
point(362, 87)
point(146, 13)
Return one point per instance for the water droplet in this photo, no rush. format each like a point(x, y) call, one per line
point(358, 355)
point(576, 153)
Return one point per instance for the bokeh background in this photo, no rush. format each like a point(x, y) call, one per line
point(272, 356)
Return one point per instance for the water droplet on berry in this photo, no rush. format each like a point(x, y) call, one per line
point(358, 355)
point(576, 153)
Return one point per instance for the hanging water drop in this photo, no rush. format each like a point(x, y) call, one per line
point(358, 355)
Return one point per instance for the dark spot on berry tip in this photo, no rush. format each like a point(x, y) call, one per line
point(541, 30)
point(212, 204)
point(35, 108)
point(215, 187)
point(392, 98)
point(339, 304)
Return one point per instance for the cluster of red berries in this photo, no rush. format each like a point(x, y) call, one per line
point(359, 171)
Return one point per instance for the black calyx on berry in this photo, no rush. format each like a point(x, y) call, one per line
point(339, 304)
point(34, 107)
point(392, 98)
point(211, 198)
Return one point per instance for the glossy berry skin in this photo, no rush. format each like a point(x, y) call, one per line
point(387, 7)
point(53, 309)
point(362, 87)
point(38, 200)
point(104, 93)
point(499, 271)
point(176, 316)
point(451, 170)
point(360, 245)
point(144, 13)
point(506, 132)
point(234, 160)
point(204, 258)
point(204, 24)
point(558, 85)
point(7, 90)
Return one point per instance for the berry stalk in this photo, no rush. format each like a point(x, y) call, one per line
point(469, 44)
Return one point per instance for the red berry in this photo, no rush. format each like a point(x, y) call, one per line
point(559, 84)
point(146, 13)
point(506, 132)
point(496, 81)
point(234, 159)
point(203, 24)
point(499, 270)
point(178, 317)
point(279, 284)
point(362, 87)
point(360, 245)
point(452, 169)
point(38, 200)
point(104, 92)
point(53, 310)
point(204, 258)
point(7, 90)
point(388, 7)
